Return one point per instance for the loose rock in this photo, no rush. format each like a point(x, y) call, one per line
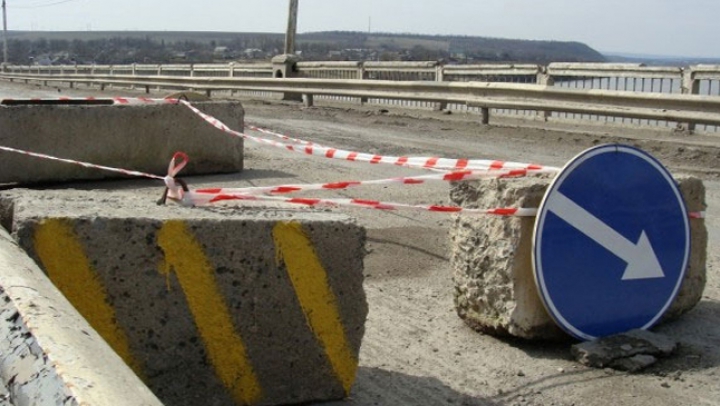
point(631, 351)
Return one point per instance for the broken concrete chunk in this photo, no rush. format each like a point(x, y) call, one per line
point(631, 351)
point(495, 290)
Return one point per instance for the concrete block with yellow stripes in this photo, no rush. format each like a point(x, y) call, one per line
point(209, 306)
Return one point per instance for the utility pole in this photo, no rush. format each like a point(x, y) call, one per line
point(291, 28)
point(5, 48)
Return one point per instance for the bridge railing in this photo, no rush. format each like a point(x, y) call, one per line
point(588, 79)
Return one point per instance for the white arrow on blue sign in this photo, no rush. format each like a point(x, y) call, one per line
point(611, 243)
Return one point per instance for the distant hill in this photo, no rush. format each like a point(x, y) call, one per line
point(461, 48)
point(192, 46)
point(659, 60)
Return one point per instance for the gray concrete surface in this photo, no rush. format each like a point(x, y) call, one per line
point(210, 306)
point(495, 289)
point(136, 137)
point(49, 354)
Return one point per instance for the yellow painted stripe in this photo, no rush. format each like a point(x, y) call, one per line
point(316, 298)
point(64, 259)
point(227, 353)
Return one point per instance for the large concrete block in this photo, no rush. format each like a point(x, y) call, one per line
point(213, 306)
point(693, 285)
point(136, 137)
point(49, 354)
point(495, 290)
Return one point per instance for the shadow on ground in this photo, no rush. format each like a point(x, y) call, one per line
point(379, 387)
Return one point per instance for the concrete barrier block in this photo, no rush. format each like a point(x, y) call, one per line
point(495, 290)
point(210, 306)
point(49, 354)
point(136, 137)
point(693, 285)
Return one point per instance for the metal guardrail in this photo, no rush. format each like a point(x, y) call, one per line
point(576, 91)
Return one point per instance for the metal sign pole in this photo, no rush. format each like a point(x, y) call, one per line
point(5, 45)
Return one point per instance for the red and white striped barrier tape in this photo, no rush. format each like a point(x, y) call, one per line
point(281, 136)
point(201, 199)
point(175, 191)
point(410, 180)
point(308, 148)
point(81, 163)
point(90, 100)
point(482, 169)
point(206, 196)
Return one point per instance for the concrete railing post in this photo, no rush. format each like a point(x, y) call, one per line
point(690, 85)
point(362, 75)
point(544, 79)
point(440, 77)
point(308, 100)
point(485, 114)
point(192, 74)
point(231, 74)
point(285, 66)
point(159, 73)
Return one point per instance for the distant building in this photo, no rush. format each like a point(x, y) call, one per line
point(254, 53)
point(222, 52)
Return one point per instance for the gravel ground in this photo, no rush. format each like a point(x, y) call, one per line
point(416, 350)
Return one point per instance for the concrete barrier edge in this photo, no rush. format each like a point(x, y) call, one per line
point(49, 354)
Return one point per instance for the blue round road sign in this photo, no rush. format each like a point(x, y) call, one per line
point(611, 242)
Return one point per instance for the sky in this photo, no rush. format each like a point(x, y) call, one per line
point(688, 28)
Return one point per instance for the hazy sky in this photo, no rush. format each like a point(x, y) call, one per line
point(657, 27)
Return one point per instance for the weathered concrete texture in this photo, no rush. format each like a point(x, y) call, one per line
point(495, 290)
point(5, 396)
point(691, 291)
point(212, 306)
point(136, 137)
point(631, 351)
point(49, 355)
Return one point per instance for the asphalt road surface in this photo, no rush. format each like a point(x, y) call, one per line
point(416, 351)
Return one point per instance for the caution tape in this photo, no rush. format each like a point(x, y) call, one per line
point(308, 148)
point(201, 199)
point(89, 100)
point(81, 163)
point(409, 180)
point(281, 136)
point(460, 169)
point(177, 191)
